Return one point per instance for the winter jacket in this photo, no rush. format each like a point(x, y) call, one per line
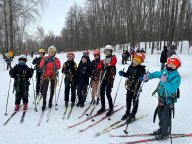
point(83, 74)
point(21, 74)
point(49, 65)
point(133, 74)
point(94, 71)
point(8, 60)
point(163, 58)
point(70, 70)
point(167, 89)
point(108, 65)
point(36, 62)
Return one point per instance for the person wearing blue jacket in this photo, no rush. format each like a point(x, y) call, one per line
point(170, 80)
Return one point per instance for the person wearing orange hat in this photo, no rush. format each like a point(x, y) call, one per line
point(170, 80)
point(95, 76)
point(134, 73)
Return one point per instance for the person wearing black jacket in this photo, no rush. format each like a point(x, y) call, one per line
point(83, 74)
point(21, 74)
point(163, 58)
point(70, 71)
point(134, 73)
point(39, 72)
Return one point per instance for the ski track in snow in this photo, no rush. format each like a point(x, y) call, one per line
point(55, 131)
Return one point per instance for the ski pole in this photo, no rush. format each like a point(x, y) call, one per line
point(137, 98)
point(59, 92)
point(34, 96)
point(8, 97)
point(116, 93)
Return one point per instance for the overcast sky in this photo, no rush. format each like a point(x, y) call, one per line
point(53, 17)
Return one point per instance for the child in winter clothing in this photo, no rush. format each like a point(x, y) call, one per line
point(167, 88)
point(21, 74)
point(133, 75)
point(95, 76)
point(49, 65)
point(124, 57)
point(83, 74)
point(39, 73)
point(70, 71)
point(8, 61)
point(108, 72)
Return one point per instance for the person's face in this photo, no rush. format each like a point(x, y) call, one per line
point(41, 54)
point(84, 60)
point(135, 63)
point(171, 65)
point(96, 56)
point(107, 52)
point(51, 52)
point(70, 57)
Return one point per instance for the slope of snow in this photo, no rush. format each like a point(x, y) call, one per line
point(56, 132)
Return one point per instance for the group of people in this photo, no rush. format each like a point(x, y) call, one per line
point(99, 75)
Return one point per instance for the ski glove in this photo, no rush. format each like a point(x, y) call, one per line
point(141, 78)
point(121, 73)
point(145, 77)
point(163, 78)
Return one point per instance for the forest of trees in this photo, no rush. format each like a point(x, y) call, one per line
point(101, 22)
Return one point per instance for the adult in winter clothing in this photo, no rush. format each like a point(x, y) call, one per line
point(83, 74)
point(49, 65)
point(163, 58)
point(171, 51)
point(8, 61)
point(134, 73)
point(70, 70)
point(86, 54)
point(95, 76)
point(124, 57)
point(108, 72)
point(21, 74)
point(39, 72)
point(169, 83)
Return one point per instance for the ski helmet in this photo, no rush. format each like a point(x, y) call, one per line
point(141, 56)
point(71, 54)
point(175, 60)
point(52, 48)
point(109, 47)
point(41, 51)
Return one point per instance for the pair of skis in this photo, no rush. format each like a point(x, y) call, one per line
point(117, 124)
point(100, 120)
point(174, 136)
point(65, 112)
point(13, 114)
point(41, 116)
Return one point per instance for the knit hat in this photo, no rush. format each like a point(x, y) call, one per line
point(52, 48)
point(138, 60)
point(71, 54)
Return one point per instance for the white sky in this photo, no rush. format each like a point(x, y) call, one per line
point(53, 17)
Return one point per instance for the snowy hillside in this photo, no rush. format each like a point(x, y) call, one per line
point(55, 131)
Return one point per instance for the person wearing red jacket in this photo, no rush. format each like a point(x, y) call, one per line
point(49, 65)
point(108, 72)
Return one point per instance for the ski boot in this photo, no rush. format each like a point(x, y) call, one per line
point(125, 116)
point(82, 104)
point(161, 136)
point(43, 107)
point(50, 104)
point(110, 112)
point(101, 110)
point(25, 106)
point(157, 132)
point(72, 104)
point(17, 107)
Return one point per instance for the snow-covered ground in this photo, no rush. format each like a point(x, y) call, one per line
point(56, 132)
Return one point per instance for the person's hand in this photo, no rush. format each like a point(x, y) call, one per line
point(145, 77)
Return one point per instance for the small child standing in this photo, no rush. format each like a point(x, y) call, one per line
point(21, 74)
